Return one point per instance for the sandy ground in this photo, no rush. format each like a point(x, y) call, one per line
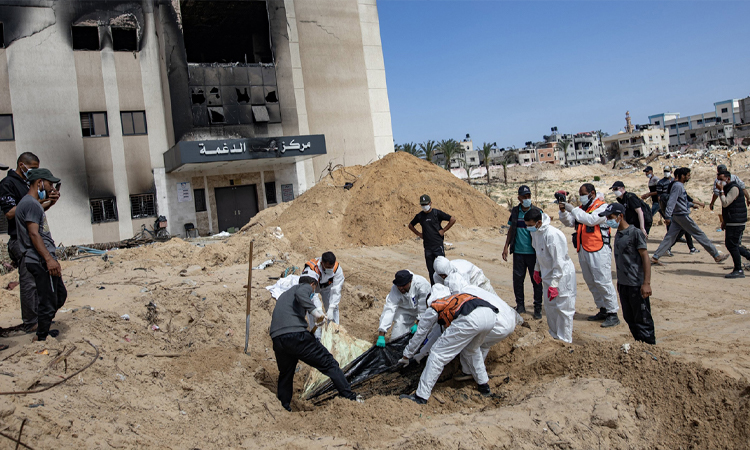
point(689, 391)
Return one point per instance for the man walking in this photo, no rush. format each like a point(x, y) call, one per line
point(733, 219)
point(637, 211)
point(292, 341)
point(432, 233)
point(633, 274)
point(38, 249)
point(652, 182)
point(518, 243)
point(678, 210)
point(662, 192)
point(592, 242)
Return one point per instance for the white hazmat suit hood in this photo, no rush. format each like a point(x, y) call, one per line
point(438, 291)
point(473, 275)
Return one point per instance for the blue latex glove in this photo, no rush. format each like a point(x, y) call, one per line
point(381, 342)
point(414, 328)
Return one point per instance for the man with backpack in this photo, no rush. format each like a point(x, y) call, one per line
point(662, 192)
point(637, 211)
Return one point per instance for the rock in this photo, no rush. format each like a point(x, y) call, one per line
point(529, 340)
point(640, 411)
point(554, 427)
point(605, 416)
point(189, 282)
point(189, 375)
point(191, 270)
point(6, 409)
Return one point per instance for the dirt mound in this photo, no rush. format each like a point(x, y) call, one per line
point(378, 208)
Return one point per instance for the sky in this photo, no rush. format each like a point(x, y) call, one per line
point(508, 71)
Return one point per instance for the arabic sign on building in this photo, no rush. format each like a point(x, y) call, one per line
point(195, 152)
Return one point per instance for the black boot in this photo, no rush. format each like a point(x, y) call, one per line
point(611, 321)
point(414, 398)
point(521, 309)
point(736, 274)
point(484, 389)
point(537, 312)
point(601, 315)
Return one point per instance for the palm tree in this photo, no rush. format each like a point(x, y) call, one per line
point(601, 134)
point(486, 151)
point(428, 148)
point(563, 145)
point(449, 148)
point(411, 148)
point(396, 147)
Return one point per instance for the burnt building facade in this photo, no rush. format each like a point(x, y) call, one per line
point(205, 112)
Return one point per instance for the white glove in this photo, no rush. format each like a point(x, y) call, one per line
point(330, 315)
point(403, 362)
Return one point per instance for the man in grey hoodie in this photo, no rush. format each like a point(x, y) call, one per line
point(678, 210)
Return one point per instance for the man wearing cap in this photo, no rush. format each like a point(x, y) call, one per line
point(518, 243)
point(38, 248)
point(652, 182)
point(12, 189)
point(404, 305)
point(637, 211)
point(633, 274)
point(734, 217)
point(292, 341)
point(433, 233)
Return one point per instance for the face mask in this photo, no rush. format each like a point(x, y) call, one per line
point(650, 175)
point(426, 208)
point(526, 203)
point(613, 223)
point(42, 193)
point(667, 174)
point(532, 229)
point(585, 201)
point(329, 271)
point(25, 171)
point(618, 194)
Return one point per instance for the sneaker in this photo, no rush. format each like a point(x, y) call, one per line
point(414, 398)
point(694, 251)
point(521, 309)
point(669, 253)
point(735, 274)
point(462, 377)
point(611, 321)
point(721, 257)
point(601, 315)
point(484, 389)
point(537, 313)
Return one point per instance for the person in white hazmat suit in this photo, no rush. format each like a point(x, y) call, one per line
point(468, 321)
point(556, 272)
point(331, 282)
point(404, 305)
point(473, 275)
point(592, 241)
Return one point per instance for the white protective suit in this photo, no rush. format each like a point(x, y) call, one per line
point(595, 266)
point(465, 334)
point(402, 310)
point(438, 291)
point(331, 295)
point(473, 275)
point(505, 324)
point(557, 270)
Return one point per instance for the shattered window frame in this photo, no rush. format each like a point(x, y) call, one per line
point(77, 40)
point(2, 35)
point(199, 195)
point(270, 188)
point(120, 40)
point(91, 120)
point(103, 210)
point(142, 206)
point(127, 118)
point(12, 128)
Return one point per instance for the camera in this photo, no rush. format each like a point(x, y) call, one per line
point(560, 196)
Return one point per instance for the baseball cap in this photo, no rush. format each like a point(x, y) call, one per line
point(424, 200)
point(721, 168)
point(648, 168)
point(618, 184)
point(524, 190)
point(613, 208)
point(403, 277)
point(41, 174)
point(667, 169)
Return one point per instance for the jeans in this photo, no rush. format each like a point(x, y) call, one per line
point(289, 348)
point(429, 257)
point(27, 285)
point(52, 295)
point(686, 224)
point(733, 242)
point(637, 313)
point(521, 265)
point(654, 210)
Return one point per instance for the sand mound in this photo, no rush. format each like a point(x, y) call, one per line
point(381, 203)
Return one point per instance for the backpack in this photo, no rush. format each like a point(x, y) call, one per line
point(662, 189)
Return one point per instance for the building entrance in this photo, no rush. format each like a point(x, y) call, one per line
point(235, 206)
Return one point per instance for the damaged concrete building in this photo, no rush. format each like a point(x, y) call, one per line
point(205, 112)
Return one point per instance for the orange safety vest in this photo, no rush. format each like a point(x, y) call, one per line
point(590, 238)
point(448, 307)
point(313, 265)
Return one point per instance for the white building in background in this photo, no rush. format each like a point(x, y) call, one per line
point(527, 155)
point(641, 141)
point(689, 130)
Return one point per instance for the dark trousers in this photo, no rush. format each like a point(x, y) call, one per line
point(429, 257)
point(637, 313)
point(687, 236)
point(27, 285)
point(521, 265)
point(52, 295)
point(733, 242)
point(290, 348)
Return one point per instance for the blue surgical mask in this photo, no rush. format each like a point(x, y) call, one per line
point(42, 194)
point(25, 171)
point(613, 223)
point(532, 229)
point(526, 203)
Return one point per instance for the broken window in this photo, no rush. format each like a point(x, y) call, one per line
point(216, 115)
point(6, 128)
point(271, 94)
point(133, 122)
point(86, 38)
point(103, 210)
point(200, 200)
point(124, 39)
point(94, 124)
point(227, 31)
point(142, 205)
point(270, 192)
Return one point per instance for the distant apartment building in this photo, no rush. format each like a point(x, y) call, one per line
point(586, 149)
point(527, 155)
point(690, 130)
point(642, 140)
point(551, 153)
point(467, 157)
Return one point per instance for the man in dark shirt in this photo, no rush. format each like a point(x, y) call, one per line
point(12, 189)
point(293, 342)
point(432, 234)
point(637, 211)
point(633, 274)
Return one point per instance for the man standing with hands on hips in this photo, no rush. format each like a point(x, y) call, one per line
point(433, 233)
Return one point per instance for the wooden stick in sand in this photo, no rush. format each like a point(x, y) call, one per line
point(249, 282)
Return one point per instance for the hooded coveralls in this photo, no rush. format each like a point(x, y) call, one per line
point(402, 310)
point(473, 275)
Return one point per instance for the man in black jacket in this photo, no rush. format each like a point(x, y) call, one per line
point(637, 211)
point(292, 341)
point(433, 233)
point(518, 243)
point(733, 219)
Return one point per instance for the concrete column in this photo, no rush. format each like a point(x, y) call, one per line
point(264, 202)
point(208, 206)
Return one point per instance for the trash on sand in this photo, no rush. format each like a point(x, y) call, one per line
point(154, 327)
point(36, 405)
point(42, 352)
point(264, 264)
point(120, 377)
point(221, 235)
point(625, 348)
point(740, 311)
point(125, 317)
point(127, 339)
point(277, 233)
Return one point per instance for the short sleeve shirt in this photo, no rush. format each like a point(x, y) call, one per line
point(12, 189)
point(523, 236)
point(632, 203)
point(652, 182)
point(628, 260)
point(30, 210)
point(431, 223)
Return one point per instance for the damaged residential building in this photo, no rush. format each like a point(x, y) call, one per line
point(205, 112)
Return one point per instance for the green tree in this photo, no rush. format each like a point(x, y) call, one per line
point(450, 149)
point(411, 148)
point(601, 134)
point(486, 151)
point(563, 144)
point(428, 148)
point(396, 147)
